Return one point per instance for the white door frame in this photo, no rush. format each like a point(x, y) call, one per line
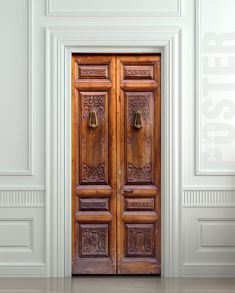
point(60, 44)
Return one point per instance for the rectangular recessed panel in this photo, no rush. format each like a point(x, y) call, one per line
point(94, 204)
point(139, 108)
point(139, 204)
point(15, 109)
point(139, 240)
point(15, 234)
point(94, 240)
point(107, 8)
point(215, 87)
point(94, 137)
point(138, 72)
point(93, 72)
point(218, 234)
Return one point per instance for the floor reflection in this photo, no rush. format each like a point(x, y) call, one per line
point(114, 284)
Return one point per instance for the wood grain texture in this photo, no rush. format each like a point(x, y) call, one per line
point(139, 164)
point(94, 165)
point(116, 164)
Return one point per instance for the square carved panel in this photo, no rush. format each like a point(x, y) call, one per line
point(94, 240)
point(139, 240)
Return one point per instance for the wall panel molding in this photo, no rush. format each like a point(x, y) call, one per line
point(113, 13)
point(29, 170)
point(23, 270)
point(208, 197)
point(17, 235)
point(11, 197)
point(208, 270)
point(215, 88)
point(208, 242)
point(22, 247)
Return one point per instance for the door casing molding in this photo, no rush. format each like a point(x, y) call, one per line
point(61, 42)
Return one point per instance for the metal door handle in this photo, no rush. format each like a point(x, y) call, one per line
point(93, 120)
point(128, 191)
point(138, 123)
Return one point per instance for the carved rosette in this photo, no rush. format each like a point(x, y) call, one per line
point(139, 241)
point(93, 174)
point(91, 102)
point(139, 174)
point(141, 103)
point(93, 241)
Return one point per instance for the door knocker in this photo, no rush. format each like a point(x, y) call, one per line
point(93, 119)
point(138, 120)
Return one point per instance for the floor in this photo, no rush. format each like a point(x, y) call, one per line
point(107, 284)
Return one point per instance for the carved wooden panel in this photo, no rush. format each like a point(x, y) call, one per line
point(139, 174)
point(139, 204)
point(139, 240)
point(93, 101)
point(138, 72)
point(139, 142)
point(93, 71)
point(93, 240)
point(94, 204)
point(93, 174)
point(93, 141)
point(141, 102)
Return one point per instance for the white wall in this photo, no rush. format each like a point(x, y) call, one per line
point(207, 210)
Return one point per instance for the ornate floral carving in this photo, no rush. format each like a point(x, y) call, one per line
point(93, 173)
point(96, 102)
point(93, 240)
point(139, 174)
point(140, 240)
point(141, 103)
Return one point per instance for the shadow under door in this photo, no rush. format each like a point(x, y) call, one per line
point(116, 137)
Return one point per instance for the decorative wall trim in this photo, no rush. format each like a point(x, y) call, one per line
point(29, 171)
point(209, 197)
point(208, 270)
point(11, 244)
point(22, 270)
point(115, 13)
point(60, 44)
point(22, 197)
point(199, 170)
point(208, 241)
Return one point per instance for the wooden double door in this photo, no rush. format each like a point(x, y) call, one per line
point(116, 164)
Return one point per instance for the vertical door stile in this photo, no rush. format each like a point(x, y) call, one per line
point(119, 174)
